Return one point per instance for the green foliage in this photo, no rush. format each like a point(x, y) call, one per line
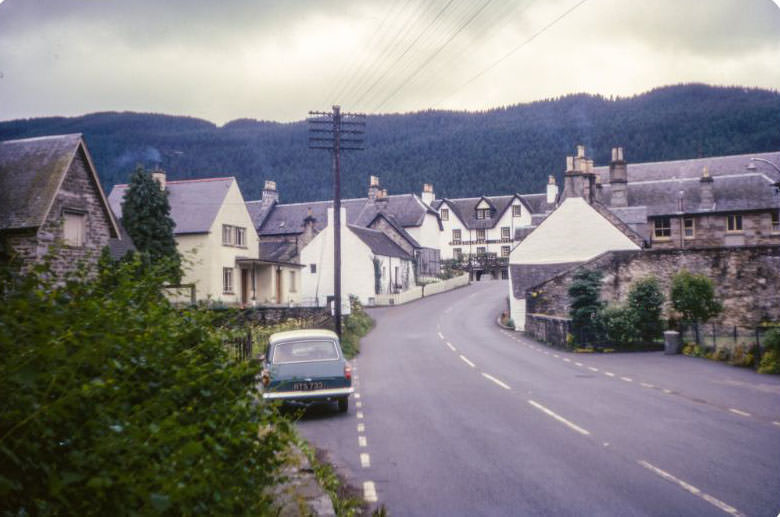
point(586, 306)
point(645, 300)
point(377, 275)
point(770, 360)
point(620, 325)
point(693, 296)
point(146, 217)
point(446, 148)
point(112, 400)
point(355, 326)
point(741, 357)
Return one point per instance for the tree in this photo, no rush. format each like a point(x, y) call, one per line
point(646, 300)
point(146, 217)
point(693, 296)
point(586, 306)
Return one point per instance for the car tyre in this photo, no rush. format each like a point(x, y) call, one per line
point(343, 404)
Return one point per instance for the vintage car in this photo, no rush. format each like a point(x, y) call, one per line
point(306, 366)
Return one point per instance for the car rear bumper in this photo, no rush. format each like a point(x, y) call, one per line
point(330, 393)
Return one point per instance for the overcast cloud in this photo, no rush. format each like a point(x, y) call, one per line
point(276, 60)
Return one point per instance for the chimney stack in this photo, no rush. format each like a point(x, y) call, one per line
point(579, 179)
point(552, 190)
point(427, 194)
point(308, 230)
point(618, 179)
point(373, 187)
point(381, 199)
point(707, 196)
point(158, 175)
point(270, 195)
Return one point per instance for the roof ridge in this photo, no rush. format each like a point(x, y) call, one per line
point(721, 157)
point(200, 180)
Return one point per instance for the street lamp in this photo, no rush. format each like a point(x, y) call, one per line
point(776, 184)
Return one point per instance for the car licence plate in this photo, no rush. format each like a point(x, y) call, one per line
point(308, 386)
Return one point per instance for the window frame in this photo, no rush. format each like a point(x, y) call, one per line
point(517, 210)
point(457, 253)
point(481, 250)
point(80, 218)
point(508, 232)
point(734, 223)
point(661, 231)
point(483, 233)
point(686, 227)
point(444, 214)
point(313, 269)
point(240, 237)
point(227, 235)
point(227, 280)
point(505, 251)
point(292, 288)
point(459, 238)
point(774, 221)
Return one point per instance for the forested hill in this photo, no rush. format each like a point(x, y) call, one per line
point(504, 150)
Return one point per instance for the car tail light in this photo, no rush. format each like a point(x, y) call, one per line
point(266, 377)
point(348, 371)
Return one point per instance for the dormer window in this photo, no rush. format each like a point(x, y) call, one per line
point(445, 214)
point(483, 213)
point(517, 210)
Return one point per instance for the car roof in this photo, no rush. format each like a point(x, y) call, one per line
point(295, 335)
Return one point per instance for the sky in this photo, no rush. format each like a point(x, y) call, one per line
point(279, 59)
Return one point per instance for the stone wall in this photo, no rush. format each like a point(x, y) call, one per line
point(747, 280)
point(710, 231)
point(548, 329)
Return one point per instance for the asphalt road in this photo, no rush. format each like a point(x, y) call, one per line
point(454, 416)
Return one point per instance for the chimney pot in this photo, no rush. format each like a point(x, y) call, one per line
point(270, 185)
point(158, 175)
point(373, 181)
point(580, 151)
point(270, 195)
point(570, 163)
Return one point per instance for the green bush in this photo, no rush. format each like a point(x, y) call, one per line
point(112, 400)
point(355, 326)
point(646, 300)
point(586, 306)
point(770, 360)
point(620, 324)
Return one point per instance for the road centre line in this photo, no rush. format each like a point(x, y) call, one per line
point(566, 359)
point(359, 415)
point(365, 460)
point(593, 369)
point(646, 385)
point(691, 489)
point(357, 395)
point(556, 356)
point(491, 378)
point(466, 360)
point(578, 364)
point(361, 428)
point(559, 418)
point(358, 404)
point(450, 346)
point(369, 492)
point(609, 374)
point(627, 379)
point(776, 423)
point(362, 441)
point(738, 412)
point(440, 335)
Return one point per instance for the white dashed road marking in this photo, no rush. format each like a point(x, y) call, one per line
point(491, 378)
point(667, 390)
point(556, 356)
point(559, 418)
point(361, 428)
point(776, 423)
point(466, 360)
point(358, 404)
point(609, 374)
point(627, 379)
point(441, 336)
point(567, 359)
point(578, 364)
point(362, 441)
point(359, 415)
point(738, 412)
point(369, 491)
point(365, 460)
point(593, 369)
point(692, 489)
point(646, 385)
point(357, 395)
point(450, 346)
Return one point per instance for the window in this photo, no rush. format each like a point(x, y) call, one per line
point(445, 214)
point(481, 250)
point(241, 237)
point(456, 236)
point(517, 210)
point(227, 280)
point(227, 235)
point(457, 253)
point(734, 223)
point(312, 268)
point(662, 228)
point(481, 235)
point(292, 281)
point(505, 233)
point(504, 251)
point(75, 228)
point(776, 222)
point(483, 213)
point(689, 227)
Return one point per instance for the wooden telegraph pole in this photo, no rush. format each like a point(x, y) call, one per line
point(325, 132)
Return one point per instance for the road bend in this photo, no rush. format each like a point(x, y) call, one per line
point(455, 416)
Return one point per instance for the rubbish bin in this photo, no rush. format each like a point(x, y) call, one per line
point(671, 342)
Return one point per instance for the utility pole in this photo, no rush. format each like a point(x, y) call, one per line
point(325, 132)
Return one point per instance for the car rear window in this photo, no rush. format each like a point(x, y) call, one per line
point(304, 351)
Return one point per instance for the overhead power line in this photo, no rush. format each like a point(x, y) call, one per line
point(515, 49)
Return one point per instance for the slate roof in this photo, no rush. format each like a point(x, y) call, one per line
point(194, 203)
point(31, 172)
point(465, 207)
point(259, 211)
point(392, 221)
point(120, 247)
point(537, 203)
point(406, 209)
point(281, 251)
point(379, 243)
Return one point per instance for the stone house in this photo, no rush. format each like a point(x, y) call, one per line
point(51, 201)
point(219, 246)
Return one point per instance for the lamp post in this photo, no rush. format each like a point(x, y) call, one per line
point(774, 166)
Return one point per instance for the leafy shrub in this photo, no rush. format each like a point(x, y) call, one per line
point(620, 324)
point(770, 360)
point(720, 354)
point(646, 300)
point(586, 306)
point(693, 296)
point(741, 357)
point(356, 325)
point(114, 400)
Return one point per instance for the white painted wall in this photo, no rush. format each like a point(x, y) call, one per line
point(573, 232)
point(427, 234)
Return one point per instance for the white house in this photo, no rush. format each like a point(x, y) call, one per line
point(371, 264)
point(219, 246)
point(573, 233)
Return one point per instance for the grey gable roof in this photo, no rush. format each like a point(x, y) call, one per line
point(194, 203)
point(31, 173)
point(397, 227)
point(259, 211)
point(284, 219)
point(465, 207)
point(379, 243)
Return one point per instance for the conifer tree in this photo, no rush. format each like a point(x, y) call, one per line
point(146, 217)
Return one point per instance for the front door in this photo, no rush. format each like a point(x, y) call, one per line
point(278, 285)
point(244, 286)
